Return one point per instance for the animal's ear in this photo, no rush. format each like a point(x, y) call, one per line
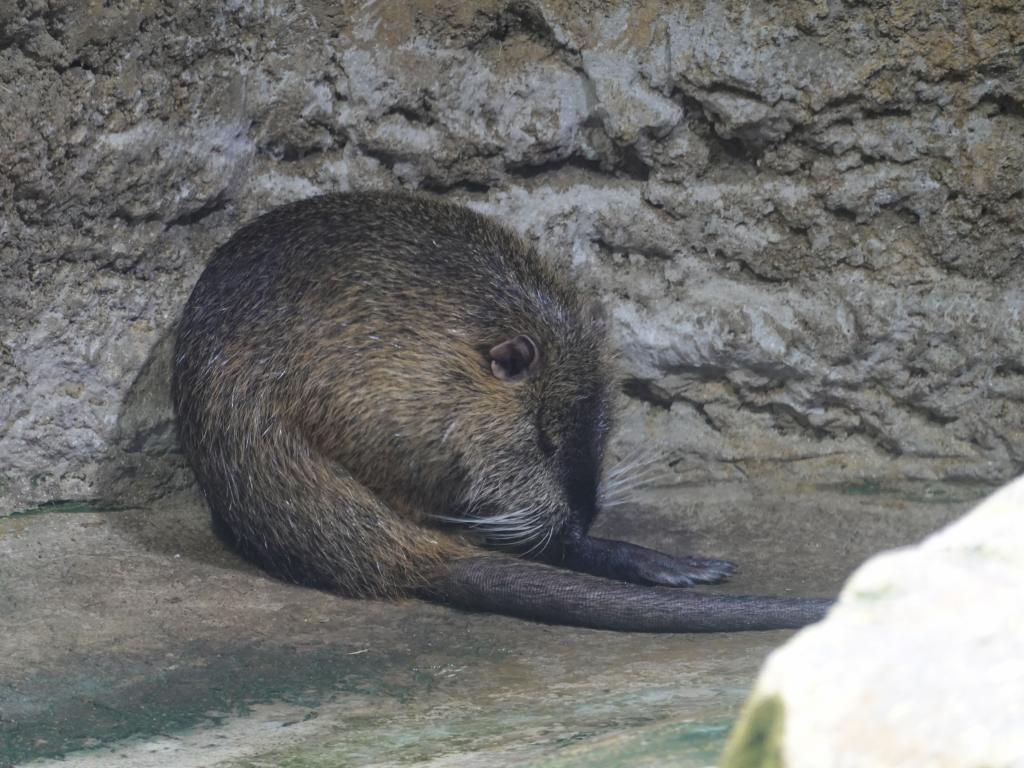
point(515, 359)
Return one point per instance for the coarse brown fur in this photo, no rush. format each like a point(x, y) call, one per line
point(373, 388)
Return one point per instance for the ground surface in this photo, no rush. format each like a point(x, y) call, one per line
point(131, 637)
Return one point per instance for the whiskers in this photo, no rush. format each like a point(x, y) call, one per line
point(638, 469)
point(525, 527)
point(530, 528)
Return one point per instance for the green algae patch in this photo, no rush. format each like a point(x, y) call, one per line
point(493, 735)
point(916, 492)
point(70, 507)
point(97, 705)
point(675, 743)
point(756, 741)
point(874, 595)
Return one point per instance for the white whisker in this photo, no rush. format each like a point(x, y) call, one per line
point(513, 528)
point(643, 468)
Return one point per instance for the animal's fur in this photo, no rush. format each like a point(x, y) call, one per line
point(334, 395)
point(349, 392)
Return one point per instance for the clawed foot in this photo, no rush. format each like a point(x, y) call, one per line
point(669, 571)
point(640, 565)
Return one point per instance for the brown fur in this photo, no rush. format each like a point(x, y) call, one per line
point(374, 388)
point(335, 398)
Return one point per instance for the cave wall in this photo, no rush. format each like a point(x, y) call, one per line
point(805, 219)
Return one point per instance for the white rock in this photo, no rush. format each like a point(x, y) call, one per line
point(921, 664)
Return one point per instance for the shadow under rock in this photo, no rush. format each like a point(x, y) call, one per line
point(145, 481)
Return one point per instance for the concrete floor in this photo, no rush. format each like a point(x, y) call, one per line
point(131, 637)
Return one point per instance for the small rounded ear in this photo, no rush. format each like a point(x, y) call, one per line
point(515, 359)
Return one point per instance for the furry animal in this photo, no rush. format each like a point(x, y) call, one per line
point(385, 394)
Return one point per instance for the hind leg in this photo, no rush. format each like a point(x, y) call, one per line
point(639, 565)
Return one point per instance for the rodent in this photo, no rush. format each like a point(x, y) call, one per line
point(388, 394)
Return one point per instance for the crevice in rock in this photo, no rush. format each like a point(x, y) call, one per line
point(532, 171)
point(631, 165)
point(843, 213)
point(1005, 103)
point(522, 17)
point(883, 441)
point(525, 18)
point(385, 158)
point(289, 152)
point(410, 114)
point(783, 413)
point(123, 214)
point(928, 413)
point(217, 203)
point(701, 411)
point(748, 270)
point(468, 186)
point(722, 148)
point(80, 63)
point(646, 391)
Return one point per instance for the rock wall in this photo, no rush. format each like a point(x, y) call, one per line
point(806, 219)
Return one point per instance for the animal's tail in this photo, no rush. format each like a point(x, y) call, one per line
point(498, 584)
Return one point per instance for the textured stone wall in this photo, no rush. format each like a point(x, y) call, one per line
point(807, 219)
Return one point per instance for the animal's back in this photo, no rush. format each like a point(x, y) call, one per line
point(327, 351)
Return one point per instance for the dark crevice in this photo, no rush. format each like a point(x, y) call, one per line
point(1006, 104)
point(722, 148)
point(522, 18)
point(701, 411)
point(80, 64)
point(929, 414)
point(783, 413)
point(127, 217)
point(409, 114)
point(553, 166)
point(632, 165)
point(737, 90)
point(745, 268)
point(213, 205)
point(647, 391)
point(842, 102)
point(384, 157)
point(1008, 368)
point(733, 148)
point(843, 213)
point(158, 438)
point(956, 76)
point(437, 186)
point(886, 111)
point(286, 152)
point(613, 250)
point(887, 444)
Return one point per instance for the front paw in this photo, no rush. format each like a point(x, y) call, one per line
point(669, 571)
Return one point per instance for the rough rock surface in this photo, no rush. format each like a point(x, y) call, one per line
point(807, 219)
point(921, 664)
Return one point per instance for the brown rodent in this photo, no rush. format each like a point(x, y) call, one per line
point(385, 394)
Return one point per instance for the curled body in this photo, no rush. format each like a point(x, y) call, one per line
point(385, 394)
